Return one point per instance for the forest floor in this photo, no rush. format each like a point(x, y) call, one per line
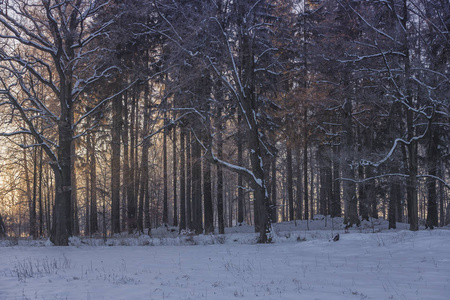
point(368, 262)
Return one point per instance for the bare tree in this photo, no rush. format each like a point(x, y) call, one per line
point(50, 44)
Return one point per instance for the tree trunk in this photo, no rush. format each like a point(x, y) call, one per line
point(33, 224)
point(299, 197)
point(290, 181)
point(76, 221)
point(336, 201)
point(349, 187)
point(441, 197)
point(128, 187)
point(115, 163)
point(41, 207)
point(411, 190)
point(31, 209)
point(325, 181)
point(394, 198)
point(175, 176)
point(131, 196)
point(144, 164)
point(196, 188)
point(182, 179)
point(432, 157)
point(305, 162)
point(189, 181)
point(220, 215)
point(273, 190)
point(62, 225)
point(207, 198)
point(165, 184)
point(240, 178)
point(2, 227)
point(362, 195)
point(136, 161)
point(87, 228)
point(93, 184)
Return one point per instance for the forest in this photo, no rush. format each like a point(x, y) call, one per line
point(119, 116)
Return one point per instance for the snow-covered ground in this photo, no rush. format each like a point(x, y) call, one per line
point(369, 262)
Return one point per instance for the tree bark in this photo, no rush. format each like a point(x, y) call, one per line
point(33, 223)
point(273, 190)
point(189, 181)
point(290, 181)
point(432, 157)
point(182, 179)
point(175, 176)
point(305, 162)
point(240, 182)
point(115, 163)
point(143, 198)
point(93, 184)
point(299, 197)
point(2, 227)
point(196, 188)
point(220, 213)
point(349, 187)
point(207, 198)
point(75, 219)
point(41, 207)
point(165, 183)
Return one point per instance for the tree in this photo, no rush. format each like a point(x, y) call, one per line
point(50, 45)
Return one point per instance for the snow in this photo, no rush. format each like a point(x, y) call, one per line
point(369, 262)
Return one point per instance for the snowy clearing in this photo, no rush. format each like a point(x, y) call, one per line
point(300, 264)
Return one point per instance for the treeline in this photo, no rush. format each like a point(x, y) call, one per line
point(128, 115)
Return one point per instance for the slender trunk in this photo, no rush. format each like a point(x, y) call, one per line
point(182, 179)
point(87, 228)
point(305, 162)
point(312, 184)
point(362, 188)
point(207, 198)
point(362, 195)
point(299, 198)
point(432, 157)
point(220, 216)
point(274, 190)
point(28, 188)
point(143, 198)
point(33, 227)
point(41, 208)
point(394, 198)
point(325, 181)
point(336, 201)
point(175, 176)
point(441, 197)
point(115, 164)
point(188, 182)
point(2, 227)
point(131, 201)
point(136, 163)
point(48, 204)
point(93, 185)
point(75, 220)
point(165, 184)
point(290, 181)
point(240, 178)
point(196, 188)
